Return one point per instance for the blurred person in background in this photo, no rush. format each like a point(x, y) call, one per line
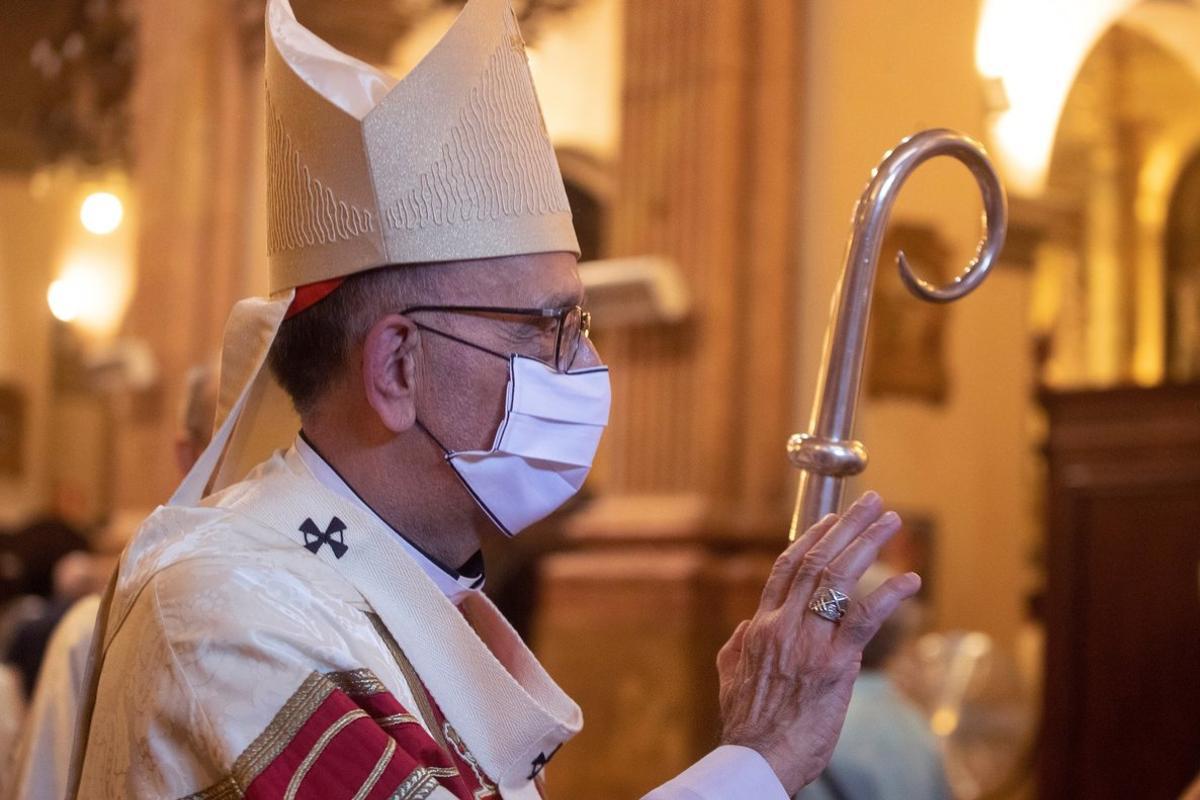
point(39, 578)
point(38, 763)
point(42, 755)
point(52, 566)
point(196, 415)
point(886, 750)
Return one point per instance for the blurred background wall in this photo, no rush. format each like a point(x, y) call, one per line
point(713, 151)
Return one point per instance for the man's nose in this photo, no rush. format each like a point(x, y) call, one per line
point(587, 355)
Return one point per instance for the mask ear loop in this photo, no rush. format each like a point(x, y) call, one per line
point(478, 500)
point(417, 420)
point(446, 451)
point(437, 441)
point(448, 456)
point(507, 408)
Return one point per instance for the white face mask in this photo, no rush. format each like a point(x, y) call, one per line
point(544, 446)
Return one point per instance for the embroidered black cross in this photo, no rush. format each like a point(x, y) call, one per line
point(540, 762)
point(314, 537)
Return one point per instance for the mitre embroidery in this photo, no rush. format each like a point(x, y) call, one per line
point(303, 210)
point(475, 179)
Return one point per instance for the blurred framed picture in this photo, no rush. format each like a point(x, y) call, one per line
point(12, 430)
point(913, 549)
point(906, 353)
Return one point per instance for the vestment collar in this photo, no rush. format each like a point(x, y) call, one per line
point(456, 584)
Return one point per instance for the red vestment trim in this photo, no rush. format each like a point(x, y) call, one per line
point(343, 736)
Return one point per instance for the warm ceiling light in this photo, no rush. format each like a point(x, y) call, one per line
point(101, 212)
point(86, 294)
point(66, 299)
point(1029, 53)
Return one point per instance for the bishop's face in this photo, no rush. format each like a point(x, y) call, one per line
point(463, 389)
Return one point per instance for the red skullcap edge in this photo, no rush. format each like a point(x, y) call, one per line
point(310, 294)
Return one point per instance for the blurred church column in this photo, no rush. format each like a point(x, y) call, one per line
point(692, 491)
point(198, 141)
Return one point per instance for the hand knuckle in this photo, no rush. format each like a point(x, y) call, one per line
point(778, 572)
point(877, 535)
point(812, 565)
point(873, 534)
point(859, 628)
point(835, 576)
point(859, 515)
point(765, 633)
point(787, 558)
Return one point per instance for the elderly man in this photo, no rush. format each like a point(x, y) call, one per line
point(314, 628)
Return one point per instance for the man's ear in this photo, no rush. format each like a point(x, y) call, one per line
point(389, 371)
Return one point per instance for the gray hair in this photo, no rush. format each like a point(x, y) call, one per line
point(313, 348)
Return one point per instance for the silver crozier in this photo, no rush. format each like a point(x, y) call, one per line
point(828, 453)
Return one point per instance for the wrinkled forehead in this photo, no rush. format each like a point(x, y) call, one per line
point(538, 280)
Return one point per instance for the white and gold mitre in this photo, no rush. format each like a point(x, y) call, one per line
point(452, 162)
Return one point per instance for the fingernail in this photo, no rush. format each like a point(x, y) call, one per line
point(913, 580)
point(830, 517)
point(890, 517)
point(870, 497)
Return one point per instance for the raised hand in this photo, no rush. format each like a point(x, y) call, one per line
point(787, 673)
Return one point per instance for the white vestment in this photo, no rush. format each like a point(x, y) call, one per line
point(280, 640)
point(43, 753)
point(12, 715)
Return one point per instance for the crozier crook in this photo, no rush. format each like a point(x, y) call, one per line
point(828, 453)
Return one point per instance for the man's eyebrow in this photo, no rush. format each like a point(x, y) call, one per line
point(562, 299)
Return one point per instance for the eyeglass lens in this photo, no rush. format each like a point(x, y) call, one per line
point(568, 340)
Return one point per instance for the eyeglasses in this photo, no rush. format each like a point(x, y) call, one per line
point(574, 325)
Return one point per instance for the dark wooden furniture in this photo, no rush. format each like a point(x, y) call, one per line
point(1122, 691)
